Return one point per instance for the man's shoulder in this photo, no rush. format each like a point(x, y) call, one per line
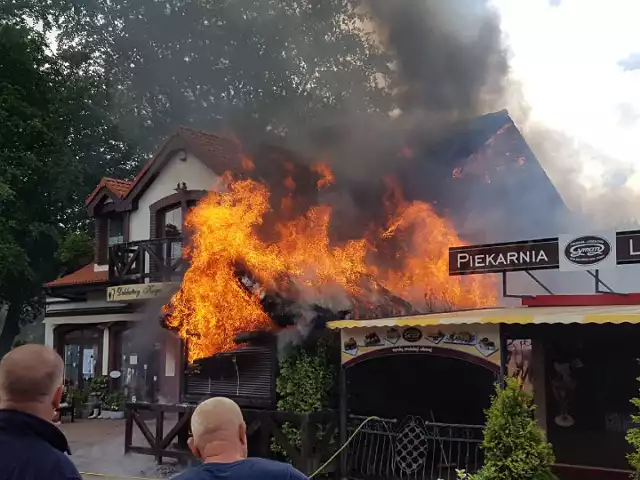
point(276, 469)
point(59, 466)
point(252, 467)
point(66, 468)
point(38, 458)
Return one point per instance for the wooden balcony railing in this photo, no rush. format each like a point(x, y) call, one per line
point(159, 260)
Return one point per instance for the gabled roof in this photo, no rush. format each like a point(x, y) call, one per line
point(219, 153)
point(481, 169)
point(117, 187)
point(85, 275)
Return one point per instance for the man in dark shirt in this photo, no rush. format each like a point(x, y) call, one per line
point(31, 446)
point(220, 441)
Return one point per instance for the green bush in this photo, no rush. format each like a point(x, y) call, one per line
point(515, 448)
point(99, 385)
point(114, 402)
point(633, 438)
point(304, 385)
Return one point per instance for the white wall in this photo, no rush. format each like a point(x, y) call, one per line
point(193, 172)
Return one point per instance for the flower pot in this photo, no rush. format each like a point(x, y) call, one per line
point(117, 415)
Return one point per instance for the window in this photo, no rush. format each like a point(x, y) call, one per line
point(173, 229)
point(173, 223)
point(115, 229)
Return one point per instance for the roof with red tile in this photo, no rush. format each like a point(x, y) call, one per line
point(86, 275)
point(119, 188)
point(210, 145)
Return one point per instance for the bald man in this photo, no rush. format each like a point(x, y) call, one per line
point(220, 441)
point(31, 446)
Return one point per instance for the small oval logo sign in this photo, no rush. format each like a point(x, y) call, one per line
point(587, 250)
point(412, 334)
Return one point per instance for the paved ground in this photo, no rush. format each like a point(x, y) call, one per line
point(97, 447)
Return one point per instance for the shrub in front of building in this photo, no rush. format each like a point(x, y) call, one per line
point(515, 448)
point(633, 437)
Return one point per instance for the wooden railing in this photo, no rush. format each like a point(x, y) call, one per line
point(316, 433)
point(158, 260)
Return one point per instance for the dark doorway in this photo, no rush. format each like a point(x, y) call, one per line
point(440, 389)
point(430, 413)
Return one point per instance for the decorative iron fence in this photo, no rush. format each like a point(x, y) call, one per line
point(413, 449)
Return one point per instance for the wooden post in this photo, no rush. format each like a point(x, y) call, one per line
point(159, 435)
point(343, 421)
point(503, 355)
point(183, 434)
point(128, 429)
point(308, 437)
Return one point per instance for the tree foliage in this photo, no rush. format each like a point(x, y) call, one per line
point(246, 65)
point(304, 385)
point(515, 448)
point(53, 143)
point(75, 250)
point(633, 438)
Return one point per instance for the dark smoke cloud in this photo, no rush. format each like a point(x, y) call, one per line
point(449, 65)
point(449, 54)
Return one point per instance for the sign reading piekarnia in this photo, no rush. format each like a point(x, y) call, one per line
point(504, 257)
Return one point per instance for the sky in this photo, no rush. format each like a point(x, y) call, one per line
point(578, 62)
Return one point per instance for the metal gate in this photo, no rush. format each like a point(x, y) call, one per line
point(412, 449)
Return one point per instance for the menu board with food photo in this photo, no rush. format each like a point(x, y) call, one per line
point(477, 340)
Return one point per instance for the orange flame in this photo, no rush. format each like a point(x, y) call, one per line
point(325, 173)
point(212, 305)
point(247, 164)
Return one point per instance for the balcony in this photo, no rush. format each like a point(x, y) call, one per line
point(158, 260)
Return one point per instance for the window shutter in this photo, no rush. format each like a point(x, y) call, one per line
point(100, 241)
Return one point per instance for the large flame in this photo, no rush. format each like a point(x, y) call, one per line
point(213, 306)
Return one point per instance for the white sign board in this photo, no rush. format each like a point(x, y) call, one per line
point(143, 291)
point(587, 252)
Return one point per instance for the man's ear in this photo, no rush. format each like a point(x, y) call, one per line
point(192, 446)
point(242, 431)
point(57, 397)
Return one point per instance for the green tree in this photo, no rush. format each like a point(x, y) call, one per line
point(515, 448)
point(305, 384)
point(633, 438)
point(53, 143)
point(248, 65)
point(75, 250)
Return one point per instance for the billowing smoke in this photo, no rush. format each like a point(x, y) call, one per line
point(449, 55)
point(600, 200)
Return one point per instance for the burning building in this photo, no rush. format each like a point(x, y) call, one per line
point(245, 249)
point(274, 245)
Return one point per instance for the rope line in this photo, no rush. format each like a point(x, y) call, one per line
point(324, 465)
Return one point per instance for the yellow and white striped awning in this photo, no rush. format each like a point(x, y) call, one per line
point(520, 315)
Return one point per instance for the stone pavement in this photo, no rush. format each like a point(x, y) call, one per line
point(97, 447)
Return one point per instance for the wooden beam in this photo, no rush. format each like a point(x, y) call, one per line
point(182, 422)
point(144, 429)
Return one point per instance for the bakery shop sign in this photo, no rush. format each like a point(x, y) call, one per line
point(504, 257)
point(479, 342)
point(567, 252)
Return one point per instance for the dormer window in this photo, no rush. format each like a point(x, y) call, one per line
point(115, 229)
